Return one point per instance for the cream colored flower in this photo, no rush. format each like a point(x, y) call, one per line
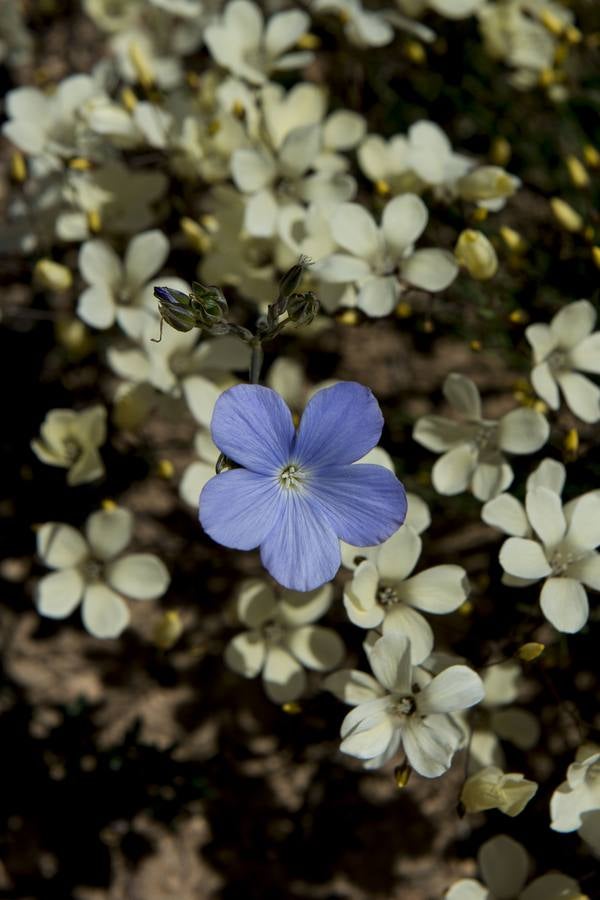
point(362, 27)
point(504, 866)
point(561, 550)
point(71, 440)
point(376, 256)
point(240, 42)
point(282, 640)
point(390, 712)
point(473, 450)
point(92, 571)
point(491, 788)
point(474, 251)
point(383, 594)
point(575, 805)
point(563, 349)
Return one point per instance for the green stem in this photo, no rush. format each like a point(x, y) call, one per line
point(256, 361)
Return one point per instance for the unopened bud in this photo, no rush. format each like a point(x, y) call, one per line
point(165, 469)
point(52, 275)
point(73, 336)
point(80, 164)
point(529, 652)
point(486, 183)
point(292, 278)
point(168, 630)
point(491, 788)
point(302, 308)
point(474, 251)
point(591, 156)
point(382, 187)
point(518, 317)
point(175, 308)
point(209, 304)
point(512, 239)
point(109, 505)
point(128, 99)
point(308, 41)
point(141, 65)
point(596, 256)
point(565, 215)
point(18, 167)
point(415, 52)
point(292, 708)
point(500, 151)
point(348, 317)
point(195, 235)
point(577, 172)
point(552, 22)
point(401, 776)
point(94, 221)
point(571, 444)
point(573, 35)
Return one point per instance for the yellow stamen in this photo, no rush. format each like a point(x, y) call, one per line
point(529, 652)
point(577, 172)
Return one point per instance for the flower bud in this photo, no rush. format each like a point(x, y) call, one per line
point(530, 651)
point(209, 304)
point(52, 275)
point(565, 215)
point(577, 172)
point(491, 788)
point(292, 278)
point(486, 183)
point(175, 308)
point(302, 308)
point(168, 630)
point(474, 251)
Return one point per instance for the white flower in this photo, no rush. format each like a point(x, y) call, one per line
point(71, 439)
point(576, 803)
point(377, 255)
point(452, 9)
point(473, 450)
point(504, 866)
point(561, 551)
point(363, 28)
point(491, 788)
point(282, 640)
point(381, 593)
point(116, 287)
point(91, 569)
point(390, 712)
point(563, 349)
point(49, 125)
point(241, 43)
point(474, 251)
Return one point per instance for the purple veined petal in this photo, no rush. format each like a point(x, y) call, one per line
point(301, 551)
point(253, 426)
point(340, 424)
point(238, 508)
point(364, 504)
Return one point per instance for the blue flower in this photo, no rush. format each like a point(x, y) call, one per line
point(297, 494)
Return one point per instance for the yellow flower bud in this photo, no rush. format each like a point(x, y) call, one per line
point(80, 164)
point(596, 256)
point(165, 469)
point(292, 708)
point(547, 77)
point(475, 345)
point(18, 167)
point(308, 41)
point(52, 275)
point(571, 445)
point(401, 776)
point(403, 310)
point(73, 336)
point(565, 215)
point(491, 788)
point(530, 651)
point(512, 239)
point(480, 214)
point(128, 99)
point(94, 221)
point(550, 21)
point(349, 317)
point(167, 630)
point(518, 317)
point(382, 187)
point(415, 52)
point(486, 183)
point(573, 35)
point(109, 505)
point(474, 251)
point(141, 65)
point(195, 235)
point(591, 156)
point(500, 151)
point(577, 172)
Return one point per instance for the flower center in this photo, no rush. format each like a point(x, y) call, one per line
point(91, 570)
point(387, 596)
point(291, 477)
point(403, 706)
point(485, 437)
point(273, 632)
point(560, 560)
point(557, 361)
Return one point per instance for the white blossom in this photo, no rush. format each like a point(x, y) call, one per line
point(491, 788)
point(404, 706)
point(561, 351)
point(71, 440)
point(91, 570)
point(473, 450)
point(281, 640)
point(575, 804)
point(377, 255)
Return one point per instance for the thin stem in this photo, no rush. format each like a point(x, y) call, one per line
point(256, 361)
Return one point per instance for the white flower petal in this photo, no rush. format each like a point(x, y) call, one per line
point(397, 557)
point(245, 653)
point(581, 395)
point(283, 676)
point(467, 889)
point(491, 478)
point(542, 340)
point(584, 524)
point(453, 471)
point(438, 433)
point(255, 602)
point(60, 546)
point(104, 613)
point(302, 607)
point(316, 647)
point(58, 594)
point(504, 865)
point(146, 254)
point(193, 480)
point(523, 431)
point(506, 513)
point(403, 222)
point(524, 558)
point(457, 687)
point(338, 268)
point(587, 571)
point(299, 150)
point(552, 886)
point(260, 217)
point(586, 355)
point(367, 729)
point(418, 515)
point(545, 385)
point(390, 662)
point(96, 306)
point(431, 269)
point(549, 474)
point(201, 395)
point(564, 602)
point(438, 590)
point(109, 532)
point(354, 228)
point(343, 130)
point(401, 619)
point(251, 170)
point(462, 394)
point(99, 264)
point(377, 296)
point(283, 30)
point(428, 745)
point(352, 686)
point(141, 576)
point(544, 510)
point(573, 323)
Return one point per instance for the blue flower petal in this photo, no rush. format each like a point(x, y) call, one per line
point(364, 504)
point(253, 426)
point(339, 425)
point(301, 551)
point(238, 508)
